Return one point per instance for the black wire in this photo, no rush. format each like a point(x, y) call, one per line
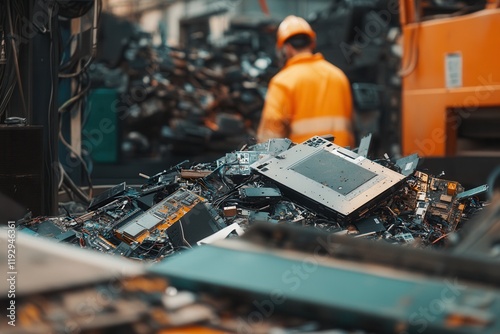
point(80, 94)
point(7, 71)
point(76, 100)
point(16, 60)
point(83, 163)
point(52, 101)
point(68, 191)
point(71, 63)
point(82, 70)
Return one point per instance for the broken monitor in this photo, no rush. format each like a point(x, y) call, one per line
point(330, 179)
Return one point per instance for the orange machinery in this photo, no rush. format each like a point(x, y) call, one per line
point(451, 77)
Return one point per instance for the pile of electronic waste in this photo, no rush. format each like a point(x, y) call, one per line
point(315, 184)
point(180, 100)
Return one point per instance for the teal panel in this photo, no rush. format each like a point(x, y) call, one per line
point(100, 132)
point(349, 295)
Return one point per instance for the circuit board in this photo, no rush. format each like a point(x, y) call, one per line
point(153, 223)
point(437, 200)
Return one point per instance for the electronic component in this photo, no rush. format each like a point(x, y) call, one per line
point(159, 218)
point(421, 209)
point(123, 249)
point(230, 211)
point(369, 225)
point(273, 146)
point(194, 173)
point(421, 196)
point(330, 179)
point(195, 225)
point(445, 198)
point(440, 206)
point(261, 217)
point(66, 236)
point(51, 229)
point(238, 163)
point(422, 176)
point(435, 201)
point(408, 164)
point(452, 188)
point(405, 237)
point(215, 184)
point(108, 196)
point(251, 193)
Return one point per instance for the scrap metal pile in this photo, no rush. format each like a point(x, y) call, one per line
point(196, 100)
point(173, 99)
point(314, 184)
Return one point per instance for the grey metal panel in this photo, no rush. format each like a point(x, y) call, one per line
point(334, 172)
point(133, 229)
point(408, 164)
point(148, 221)
point(364, 145)
point(319, 170)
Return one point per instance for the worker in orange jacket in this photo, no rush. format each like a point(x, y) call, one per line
point(309, 96)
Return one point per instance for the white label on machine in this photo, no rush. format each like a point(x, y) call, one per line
point(453, 70)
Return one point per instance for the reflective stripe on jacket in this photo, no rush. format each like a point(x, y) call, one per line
point(308, 97)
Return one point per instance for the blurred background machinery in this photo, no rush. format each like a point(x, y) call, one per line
point(450, 94)
point(450, 79)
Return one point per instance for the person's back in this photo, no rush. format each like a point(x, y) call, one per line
point(308, 97)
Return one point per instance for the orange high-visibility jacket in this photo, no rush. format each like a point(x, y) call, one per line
point(308, 97)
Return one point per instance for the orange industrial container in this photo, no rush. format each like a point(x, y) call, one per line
point(451, 77)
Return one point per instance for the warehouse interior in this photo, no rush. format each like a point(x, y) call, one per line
point(137, 197)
